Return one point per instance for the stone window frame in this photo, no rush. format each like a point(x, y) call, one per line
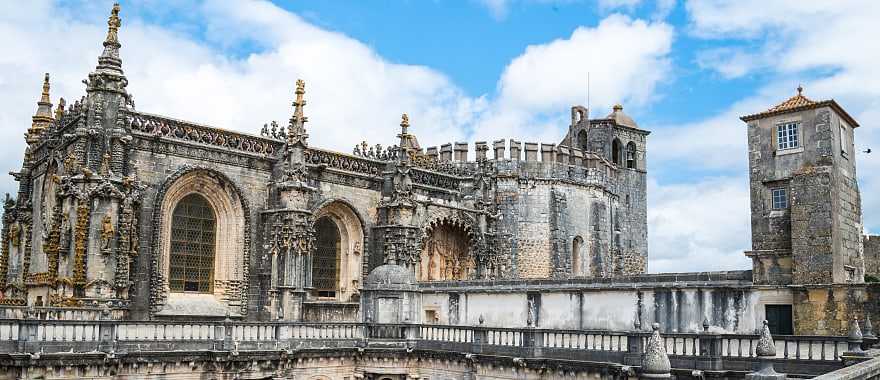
point(352, 234)
point(845, 138)
point(232, 251)
point(776, 197)
point(783, 146)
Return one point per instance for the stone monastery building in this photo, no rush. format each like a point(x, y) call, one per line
point(127, 215)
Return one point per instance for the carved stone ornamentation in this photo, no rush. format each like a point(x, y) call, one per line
point(81, 237)
point(108, 232)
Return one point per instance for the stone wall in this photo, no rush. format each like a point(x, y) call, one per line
point(872, 255)
point(729, 303)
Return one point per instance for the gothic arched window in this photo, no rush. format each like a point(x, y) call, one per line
point(193, 230)
point(325, 262)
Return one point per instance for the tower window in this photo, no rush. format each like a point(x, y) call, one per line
point(616, 148)
point(787, 136)
point(780, 199)
point(844, 140)
point(325, 272)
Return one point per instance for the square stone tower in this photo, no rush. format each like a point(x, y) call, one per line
point(805, 202)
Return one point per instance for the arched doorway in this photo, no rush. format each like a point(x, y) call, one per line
point(446, 254)
point(325, 261)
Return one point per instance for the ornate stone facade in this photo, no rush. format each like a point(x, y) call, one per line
point(288, 231)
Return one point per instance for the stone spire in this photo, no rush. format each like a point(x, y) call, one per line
point(109, 59)
point(403, 154)
point(655, 365)
point(296, 130)
point(43, 118)
point(108, 75)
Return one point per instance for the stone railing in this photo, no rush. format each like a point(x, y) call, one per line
point(803, 355)
point(345, 162)
point(866, 370)
point(159, 126)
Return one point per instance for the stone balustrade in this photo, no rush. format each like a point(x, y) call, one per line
point(809, 355)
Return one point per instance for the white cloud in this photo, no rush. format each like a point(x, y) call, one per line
point(626, 60)
point(701, 225)
point(498, 8)
point(608, 5)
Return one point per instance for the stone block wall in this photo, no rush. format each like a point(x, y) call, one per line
point(871, 244)
point(828, 310)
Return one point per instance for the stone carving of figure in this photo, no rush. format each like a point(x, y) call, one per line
point(105, 165)
point(65, 232)
point(14, 233)
point(107, 233)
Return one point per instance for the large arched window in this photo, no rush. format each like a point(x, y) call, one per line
point(631, 155)
point(193, 239)
point(616, 152)
point(325, 262)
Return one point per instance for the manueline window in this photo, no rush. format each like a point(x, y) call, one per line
point(787, 136)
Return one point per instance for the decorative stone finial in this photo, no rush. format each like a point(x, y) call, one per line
point(855, 333)
point(113, 24)
point(766, 347)
point(42, 119)
point(637, 324)
point(404, 123)
point(706, 325)
point(59, 111)
point(296, 131)
point(765, 351)
point(869, 329)
point(800, 89)
point(617, 107)
point(45, 96)
point(655, 365)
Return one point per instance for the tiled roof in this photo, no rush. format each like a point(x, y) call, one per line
point(800, 102)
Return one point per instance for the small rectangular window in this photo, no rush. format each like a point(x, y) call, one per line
point(787, 136)
point(779, 319)
point(844, 139)
point(780, 199)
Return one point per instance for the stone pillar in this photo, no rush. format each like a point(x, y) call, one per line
point(765, 351)
point(481, 148)
point(655, 364)
point(710, 350)
point(577, 157)
point(531, 151)
point(634, 346)
point(548, 152)
point(563, 155)
point(515, 147)
point(498, 146)
point(432, 152)
point(461, 150)
point(446, 152)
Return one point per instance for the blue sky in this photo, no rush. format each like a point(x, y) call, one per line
point(470, 70)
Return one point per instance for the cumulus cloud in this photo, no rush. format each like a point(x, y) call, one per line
point(820, 44)
point(626, 59)
point(698, 225)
